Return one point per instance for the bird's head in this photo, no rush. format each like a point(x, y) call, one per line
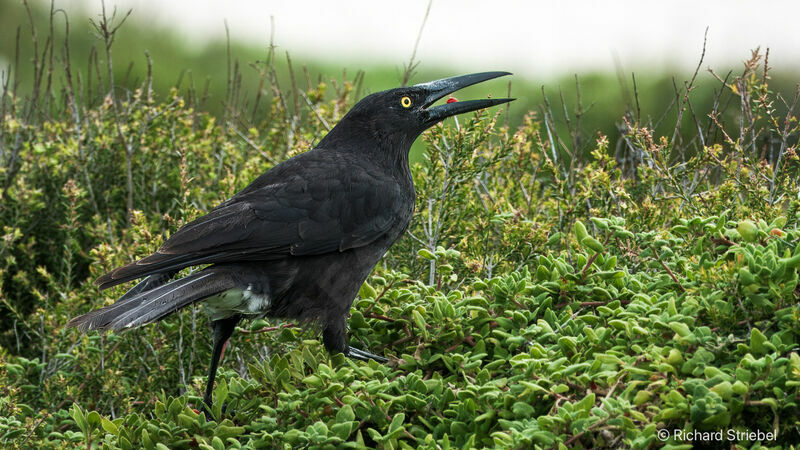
point(398, 116)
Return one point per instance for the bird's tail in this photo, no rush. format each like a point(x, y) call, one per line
point(151, 305)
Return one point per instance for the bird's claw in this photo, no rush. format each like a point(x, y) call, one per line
point(362, 355)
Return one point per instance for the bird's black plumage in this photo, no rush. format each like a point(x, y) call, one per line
point(299, 241)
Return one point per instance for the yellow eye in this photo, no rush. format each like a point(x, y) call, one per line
point(406, 102)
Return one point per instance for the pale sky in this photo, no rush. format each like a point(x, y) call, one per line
point(531, 38)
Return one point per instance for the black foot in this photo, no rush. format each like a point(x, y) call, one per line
point(361, 355)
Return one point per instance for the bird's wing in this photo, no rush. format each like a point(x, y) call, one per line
point(301, 216)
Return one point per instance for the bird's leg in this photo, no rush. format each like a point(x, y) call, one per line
point(334, 339)
point(223, 329)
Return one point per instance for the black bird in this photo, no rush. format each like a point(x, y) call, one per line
point(299, 241)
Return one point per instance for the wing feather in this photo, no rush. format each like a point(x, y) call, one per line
point(308, 213)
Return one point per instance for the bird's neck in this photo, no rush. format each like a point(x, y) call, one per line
point(388, 150)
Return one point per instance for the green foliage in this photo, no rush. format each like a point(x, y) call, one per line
point(543, 296)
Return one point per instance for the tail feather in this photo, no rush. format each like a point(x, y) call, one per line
point(151, 282)
point(151, 305)
point(155, 264)
point(161, 263)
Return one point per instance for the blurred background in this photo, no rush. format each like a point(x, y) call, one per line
point(620, 53)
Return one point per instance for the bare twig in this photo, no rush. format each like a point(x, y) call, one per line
point(409, 69)
point(314, 110)
point(636, 98)
point(682, 103)
point(268, 329)
point(591, 427)
point(664, 265)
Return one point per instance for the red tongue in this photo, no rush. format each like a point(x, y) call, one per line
point(452, 100)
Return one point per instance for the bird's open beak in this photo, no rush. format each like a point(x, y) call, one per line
point(439, 88)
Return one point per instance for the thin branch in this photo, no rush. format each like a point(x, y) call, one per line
point(664, 265)
point(681, 106)
point(409, 69)
point(314, 110)
point(268, 329)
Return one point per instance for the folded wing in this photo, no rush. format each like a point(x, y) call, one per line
point(302, 215)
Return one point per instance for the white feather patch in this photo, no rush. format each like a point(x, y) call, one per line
point(237, 301)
